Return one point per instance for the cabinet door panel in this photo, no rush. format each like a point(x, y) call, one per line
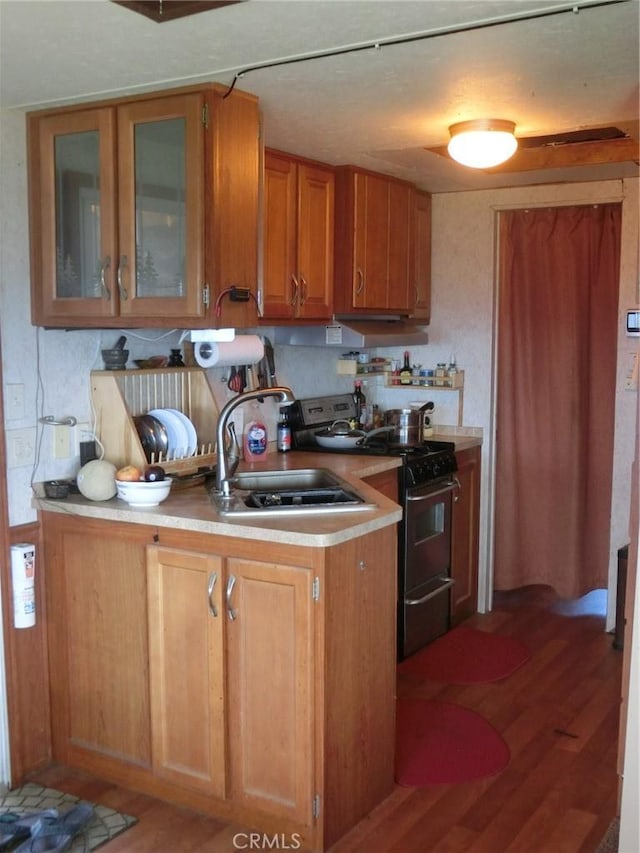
point(465, 536)
point(422, 255)
point(161, 178)
point(280, 263)
point(99, 651)
point(372, 242)
point(315, 241)
point(270, 685)
point(186, 669)
point(400, 243)
point(73, 215)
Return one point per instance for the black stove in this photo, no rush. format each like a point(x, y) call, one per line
point(426, 490)
point(422, 463)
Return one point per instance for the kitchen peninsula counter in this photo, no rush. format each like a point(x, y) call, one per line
point(191, 509)
point(245, 669)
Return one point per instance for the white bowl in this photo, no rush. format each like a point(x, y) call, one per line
point(139, 493)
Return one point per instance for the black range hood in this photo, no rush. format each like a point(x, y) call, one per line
point(353, 332)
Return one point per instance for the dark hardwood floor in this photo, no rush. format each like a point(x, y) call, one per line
point(558, 714)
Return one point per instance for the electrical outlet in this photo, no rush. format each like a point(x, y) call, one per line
point(21, 447)
point(14, 398)
point(81, 432)
point(61, 441)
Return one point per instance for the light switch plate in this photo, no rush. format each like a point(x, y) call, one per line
point(21, 447)
point(14, 399)
point(631, 376)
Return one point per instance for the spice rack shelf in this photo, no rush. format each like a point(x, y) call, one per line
point(450, 382)
point(351, 367)
point(120, 395)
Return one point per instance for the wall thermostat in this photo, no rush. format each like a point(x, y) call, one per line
point(633, 323)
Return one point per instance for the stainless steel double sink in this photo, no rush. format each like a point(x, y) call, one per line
point(304, 491)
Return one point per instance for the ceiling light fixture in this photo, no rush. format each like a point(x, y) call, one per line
point(482, 143)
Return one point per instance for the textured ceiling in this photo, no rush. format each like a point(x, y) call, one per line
point(378, 107)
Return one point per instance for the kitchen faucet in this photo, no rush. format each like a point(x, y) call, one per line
point(223, 480)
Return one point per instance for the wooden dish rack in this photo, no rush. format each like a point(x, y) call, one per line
point(120, 395)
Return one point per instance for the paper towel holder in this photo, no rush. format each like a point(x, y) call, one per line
point(211, 335)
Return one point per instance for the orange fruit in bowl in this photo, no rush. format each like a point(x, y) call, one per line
point(129, 474)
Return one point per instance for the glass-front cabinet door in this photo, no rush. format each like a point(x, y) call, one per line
point(117, 212)
point(73, 210)
point(161, 207)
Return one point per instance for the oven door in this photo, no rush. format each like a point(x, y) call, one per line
point(427, 533)
point(424, 566)
point(426, 614)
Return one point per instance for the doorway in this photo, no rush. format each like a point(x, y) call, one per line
point(557, 334)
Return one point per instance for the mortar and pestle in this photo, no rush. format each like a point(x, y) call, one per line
point(116, 358)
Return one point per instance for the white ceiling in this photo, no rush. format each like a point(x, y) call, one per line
point(379, 107)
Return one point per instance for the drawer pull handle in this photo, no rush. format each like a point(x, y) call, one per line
point(445, 586)
point(295, 287)
point(122, 289)
point(232, 613)
point(103, 284)
point(213, 579)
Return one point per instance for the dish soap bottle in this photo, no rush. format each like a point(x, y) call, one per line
point(255, 442)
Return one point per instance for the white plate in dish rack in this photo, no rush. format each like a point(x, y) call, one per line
point(176, 433)
point(192, 436)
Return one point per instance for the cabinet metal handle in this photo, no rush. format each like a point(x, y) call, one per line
point(446, 583)
point(213, 579)
point(294, 290)
point(103, 284)
point(360, 285)
point(231, 611)
point(121, 288)
point(303, 290)
point(458, 486)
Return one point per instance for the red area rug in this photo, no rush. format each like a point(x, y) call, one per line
point(467, 656)
point(442, 743)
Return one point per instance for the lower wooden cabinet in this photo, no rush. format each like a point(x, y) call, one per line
point(208, 616)
point(186, 668)
point(465, 536)
point(98, 651)
point(247, 679)
point(270, 678)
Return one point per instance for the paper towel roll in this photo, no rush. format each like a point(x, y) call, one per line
point(243, 349)
point(23, 558)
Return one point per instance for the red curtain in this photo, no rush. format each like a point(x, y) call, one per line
point(558, 308)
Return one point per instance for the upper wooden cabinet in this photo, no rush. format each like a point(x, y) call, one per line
point(422, 257)
point(298, 213)
point(143, 211)
point(374, 243)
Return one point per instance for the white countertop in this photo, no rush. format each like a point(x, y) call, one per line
point(192, 509)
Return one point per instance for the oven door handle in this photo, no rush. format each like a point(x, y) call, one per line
point(425, 496)
point(446, 583)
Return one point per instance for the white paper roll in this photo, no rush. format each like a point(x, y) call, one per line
point(23, 563)
point(243, 349)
